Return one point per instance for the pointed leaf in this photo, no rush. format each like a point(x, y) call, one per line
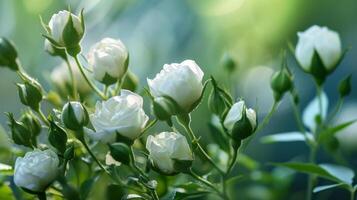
point(342, 173)
point(326, 187)
point(335, 129)
point(284, 137)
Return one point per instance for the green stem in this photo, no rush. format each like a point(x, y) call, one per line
point(336, 110)
point(312, 178)
point(232, 162)
point(83, 141)
point(207, 183)
point(42, 116)
point(73, 80)
point(353, 192)
point(142, 173)
point(194, 139)
point(42, 196)
point(151, 124)
point(262, 125)
point(96, 90)
point(118, 86)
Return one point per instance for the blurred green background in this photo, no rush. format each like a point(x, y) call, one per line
point(157, 32)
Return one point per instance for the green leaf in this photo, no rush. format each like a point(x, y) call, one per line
point(309, 169)
point(247, 162)
point(334, 130)
point(284, 137)
point(342, 173)
point(326, 187)
point(57, 137)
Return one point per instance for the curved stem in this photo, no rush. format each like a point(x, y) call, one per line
point(42, 116)
point(83, 141)
point(194, 139)
point(262, 125)
point(96, 90)
point(74, 85)
point(312, 178)
point(207, 183)
point(151, 124)
point(232, 162)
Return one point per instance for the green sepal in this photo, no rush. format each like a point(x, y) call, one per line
point(182, 166)
point(30, 94)
point(242, 128)
point(69, 119)
point(344, 88)
point(122, 139)
point(57, 137)
point(108, 80)
point(8, 54)
point(71, 37)
point(120, 152)
point(217, 102)
point(33, 125)
point(318, 69)
point(19, 133)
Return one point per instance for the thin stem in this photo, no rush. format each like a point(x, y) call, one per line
point(106, 87)
point(118, 86)
point(96, 90)
point(207, 183)
point(312, 178)
point(151, 124)
point(142, 173)
point(83, 141)
point(42, 196)
point(42, 116)
point(353, 192)
point(203, 152)
point(74, 85)
point(336, 110)
point(232, 162)
point(262, 125)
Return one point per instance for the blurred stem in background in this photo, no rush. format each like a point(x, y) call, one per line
point(74, 85)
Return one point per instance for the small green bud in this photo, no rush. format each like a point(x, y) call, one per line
point(120, 152)
point(228, 63)
point(32, 124)
point(30, 94)
point(163, 108)
point(216, 101)
point(74, 115)
point(57, 137)
point(8, 54)
point(344, 88)
point(281, 82)
point(19, 133)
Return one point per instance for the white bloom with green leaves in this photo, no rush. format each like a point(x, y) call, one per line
point(36, 170)
point(321, 40)
point(123, 115)
point(180, 81)
point(109, 60)
point(167, 148)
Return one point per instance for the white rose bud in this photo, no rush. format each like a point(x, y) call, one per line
point(123, 115)
point(109, 59)
point(167, 152)
point(58, 23)
point(326, 43)
point(240, 121)
point(182, 82)
point(37, 170)
point(74, 115)
point(62, 80)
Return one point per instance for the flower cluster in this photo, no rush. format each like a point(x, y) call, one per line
point(117, 124)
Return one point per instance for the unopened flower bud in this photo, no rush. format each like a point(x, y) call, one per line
point(344, 87)
point(318, 51)
point(240, 121)
point(19, 132)
point(32, 124)
point(30, 94)
point(74, 115)
point(228, 63)
point(8, 54)
point(281, 82)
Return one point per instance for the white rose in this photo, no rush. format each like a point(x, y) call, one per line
point(109, 59)
point(62, 80)
point(37, 170)
point(122, 114)
point(166, 148)
point(324, 42)
point(235, 114)
point(58, 22)
point(181, 82)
